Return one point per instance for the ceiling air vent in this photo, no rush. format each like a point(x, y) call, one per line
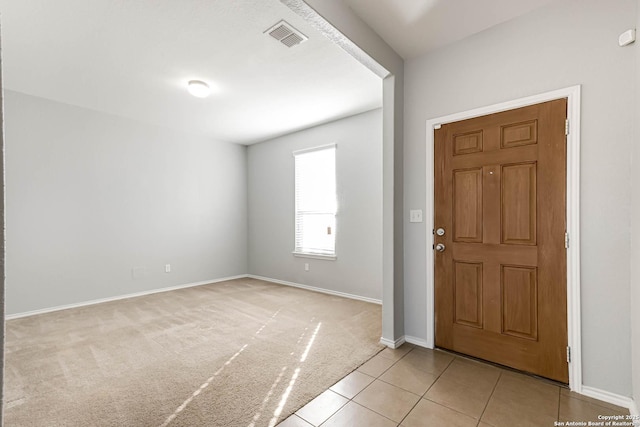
point(286, 34)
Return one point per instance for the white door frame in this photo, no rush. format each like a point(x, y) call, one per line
point(573, 214)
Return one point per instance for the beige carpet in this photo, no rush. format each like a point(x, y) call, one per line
point(238, 353)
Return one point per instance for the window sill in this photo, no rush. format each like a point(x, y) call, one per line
point(315, 256)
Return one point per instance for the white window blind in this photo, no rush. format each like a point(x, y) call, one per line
point(316, 206)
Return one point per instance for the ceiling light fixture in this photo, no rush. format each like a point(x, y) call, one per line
point(198, 88)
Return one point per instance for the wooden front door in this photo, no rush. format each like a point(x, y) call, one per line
point(500, 199)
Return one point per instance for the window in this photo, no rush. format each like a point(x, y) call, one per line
point(316, 205)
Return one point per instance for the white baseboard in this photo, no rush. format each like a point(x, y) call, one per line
point(314, 289)
point(417, 341)
point(606, 396)
point(187, 285)
point(119, 297)
point(633, 410)
point(392, 344)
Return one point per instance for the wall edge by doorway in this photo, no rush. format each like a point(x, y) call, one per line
point(572, 94)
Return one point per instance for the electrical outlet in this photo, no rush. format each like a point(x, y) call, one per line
point(167, 268)
point(306, 266)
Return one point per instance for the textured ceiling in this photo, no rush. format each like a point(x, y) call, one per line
point(414, 27)
point(133, 59)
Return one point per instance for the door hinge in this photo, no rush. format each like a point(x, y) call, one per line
point(568, 354)
point(566, 127)
point(566, 240)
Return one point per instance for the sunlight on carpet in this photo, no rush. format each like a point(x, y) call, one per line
point(239, 353)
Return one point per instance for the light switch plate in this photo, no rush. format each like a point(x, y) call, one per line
point(627, 37)
point(415, 215)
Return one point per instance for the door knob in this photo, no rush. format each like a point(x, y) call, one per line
point(440, 247)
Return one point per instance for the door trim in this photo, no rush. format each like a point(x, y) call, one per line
point(573, 214)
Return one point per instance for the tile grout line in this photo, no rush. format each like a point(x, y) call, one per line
point(440, 404)
point(427, 390)
point(332, 414)
point(431, 373)
point(348, 399)
point(378, 378)
point(489, 399)
point(374, 379)
point(376, 412)
point(437, 378)
point(295, 412)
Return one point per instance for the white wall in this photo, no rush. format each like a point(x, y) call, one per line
point(91, 196)
point(357, 269)
point(635, 230)
point(563, 44)
point(342, 18)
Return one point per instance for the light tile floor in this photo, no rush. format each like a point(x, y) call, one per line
point(414, 387)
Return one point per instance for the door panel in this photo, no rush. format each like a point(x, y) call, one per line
point(519, 289)
point(467, 143)
point(500, 289)
point(468, 293)
point(519, 204)
point(467, 205)
point(519, 134)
